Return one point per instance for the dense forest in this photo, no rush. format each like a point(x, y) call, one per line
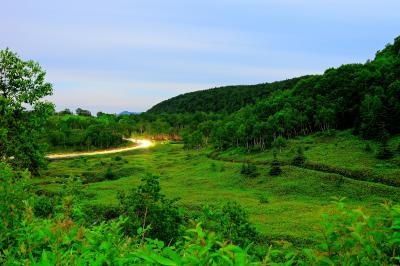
point(47, 220)
point(364, 97)
point(226, 99)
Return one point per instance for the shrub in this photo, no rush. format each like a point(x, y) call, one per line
point(146, 206)
point(230, 221)
point(263, 198)
point(98, 213)
point(299, 158)
point(279, 143)
point(109, 175)
point(384, 152)
point(43, 206)
point(353, 238)
point(249, 170)
point(275, 168)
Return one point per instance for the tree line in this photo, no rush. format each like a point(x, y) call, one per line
point(363, 97)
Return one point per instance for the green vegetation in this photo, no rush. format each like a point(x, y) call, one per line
point(226, 99)
point(251, 183)
point(84, 132)
point(297, 198)
point(22, 111)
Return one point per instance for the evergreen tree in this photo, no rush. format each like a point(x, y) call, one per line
point(299, 159)
point(249, 170)
point(275, 166)
point(384, 152)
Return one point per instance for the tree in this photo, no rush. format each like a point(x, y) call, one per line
point(279, 143)
point(275, 166)
point(83, 112)
point(146, 206)
point(384, 152)
point(299, 159)
point(23, 112)
point(66, 111)
point(249, 170)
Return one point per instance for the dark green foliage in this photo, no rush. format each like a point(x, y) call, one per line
point(224, 99)
point(299, 158)
point(275, 169)
point(249, 170)
point(368, 148)
point(23, 112)
point(84, 132)
point(109, 175)
point(193, 140)
point(384, 152)
point(43, 206)
point(231, 221)
point(83, 112)
point(279, 143)
point(97, 213)
point(263, 199)
point(147, 207)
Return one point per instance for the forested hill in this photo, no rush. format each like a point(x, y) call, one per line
point(222, 99)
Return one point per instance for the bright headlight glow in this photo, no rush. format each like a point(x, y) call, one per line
point(141, 144)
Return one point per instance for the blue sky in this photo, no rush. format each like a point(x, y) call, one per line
point(129, 55)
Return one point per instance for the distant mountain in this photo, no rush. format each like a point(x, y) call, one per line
point(222, 99)
point(129, 113)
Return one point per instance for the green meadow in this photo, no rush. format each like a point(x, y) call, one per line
point(286, 207)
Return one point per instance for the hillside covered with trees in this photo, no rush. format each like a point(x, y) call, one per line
point(226, 99)
point(363, 97)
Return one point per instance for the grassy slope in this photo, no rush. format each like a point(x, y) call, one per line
point(342, 150)
point(297, 199)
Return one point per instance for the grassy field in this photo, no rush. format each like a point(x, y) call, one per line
point(289, 206)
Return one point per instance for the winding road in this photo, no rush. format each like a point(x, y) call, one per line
point(141, 144)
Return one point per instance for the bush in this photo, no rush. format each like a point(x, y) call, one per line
point(354, 238)
point(299, 159)
point(279, 143)
point(275, 167)
point(146, 206)
point(43, 206)
point(98, 213)
point(109, 175)
point(249, 170)
point(384, 152)
point(263, 198)
point(230, 221)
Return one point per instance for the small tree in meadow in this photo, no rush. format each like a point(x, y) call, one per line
point(249, 170)
point(299, 159)
point(275, 166)
point(279, 143)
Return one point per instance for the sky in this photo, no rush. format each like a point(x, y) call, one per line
point(121, 55)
